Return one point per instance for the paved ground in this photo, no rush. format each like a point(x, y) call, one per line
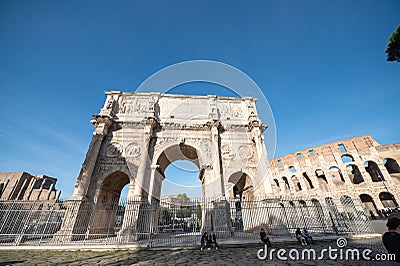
point(181, 256)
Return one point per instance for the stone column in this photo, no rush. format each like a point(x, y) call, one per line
point(137, 209)
point(31, 185)
point(365, 174)
point(128, 231)
point(154, 184)
point(102, 123)
point(77, 217)
point(331, 185)
point(12, 190)
point(263, 165)
point(217, 179)
point(388, 178)
point(346, 177)
point(58, 194)
point(142, 185)
point(71, 227)
point(216, 214)
point(154, 196)
point(21, 191)
point(221, 218)
point(377, 200)
point(302, 183)
point(49, 191)
point(4, 188)
point(41, 189)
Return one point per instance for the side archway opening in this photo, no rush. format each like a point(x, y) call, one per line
point(108, 214)
point(373, 170)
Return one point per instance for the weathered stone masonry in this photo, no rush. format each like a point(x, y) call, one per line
point(358, 167)
point(136, 137)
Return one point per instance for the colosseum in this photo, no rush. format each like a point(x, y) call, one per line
point(357, 168)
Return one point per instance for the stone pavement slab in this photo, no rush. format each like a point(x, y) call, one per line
point(226, 255)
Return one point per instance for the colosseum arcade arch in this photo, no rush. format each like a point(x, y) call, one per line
point(373, 170)
point(354, 174)
point(139, 134)
point(388, 200)
point(369, 203)
point(392, 168)
point(322, 181)
point(336, 175)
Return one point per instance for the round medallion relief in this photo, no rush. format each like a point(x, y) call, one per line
point(245, 152)
point(133, 149)
point(226, 152)
point(113, 149)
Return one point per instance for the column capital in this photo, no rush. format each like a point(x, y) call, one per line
point(213, 124)
point(101, 123)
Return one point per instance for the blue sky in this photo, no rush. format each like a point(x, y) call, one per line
point(320, 64)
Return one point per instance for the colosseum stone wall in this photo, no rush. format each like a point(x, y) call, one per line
point(357, 168)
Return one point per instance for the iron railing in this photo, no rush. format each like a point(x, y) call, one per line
point(167, 223)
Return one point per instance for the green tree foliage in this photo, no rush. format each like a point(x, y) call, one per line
point(184, 199)
point(393, 47)
point(184, 212)
point(165, 216)
point(198, 211)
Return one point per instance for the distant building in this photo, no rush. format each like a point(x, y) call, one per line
point(170, 201)
point(24, 186)
point(358, 168)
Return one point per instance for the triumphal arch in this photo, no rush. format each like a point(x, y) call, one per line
point(136, 137)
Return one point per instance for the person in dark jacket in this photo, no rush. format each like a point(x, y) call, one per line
point(212, 240)
point(204, 240)
point(307, 237)
point(300, 237)
point(391, 239)
point(265, 238)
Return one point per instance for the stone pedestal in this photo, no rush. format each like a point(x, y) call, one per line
point(217, 218)
point(75, 223)
point(138, 221)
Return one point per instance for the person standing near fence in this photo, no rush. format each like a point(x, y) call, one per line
point(212, 239)
point(391, 239)
point(204, 240)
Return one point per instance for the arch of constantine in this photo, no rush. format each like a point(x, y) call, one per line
point(136, 137)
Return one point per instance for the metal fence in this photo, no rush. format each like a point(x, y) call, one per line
point(167, 223)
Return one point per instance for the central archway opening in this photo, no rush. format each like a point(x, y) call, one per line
point(177, 172)
point(178, 191)
point(182, 177)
